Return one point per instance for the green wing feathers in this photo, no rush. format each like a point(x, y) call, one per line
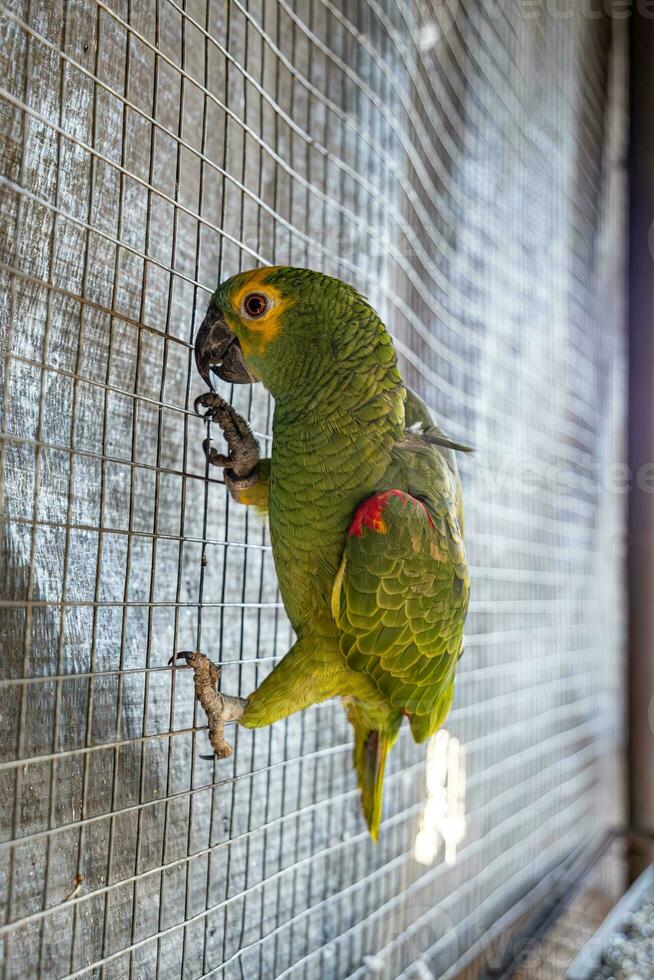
point(400, 600)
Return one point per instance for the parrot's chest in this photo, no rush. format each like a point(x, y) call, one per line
point(316, 483)
point(307, 543)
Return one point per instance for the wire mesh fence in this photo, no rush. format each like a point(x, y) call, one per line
point(459, 162)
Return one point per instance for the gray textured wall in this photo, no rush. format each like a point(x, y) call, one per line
point(462, 165)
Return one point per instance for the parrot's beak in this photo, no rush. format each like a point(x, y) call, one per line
point(217, 351)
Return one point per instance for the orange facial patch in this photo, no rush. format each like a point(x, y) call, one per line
point(255, 334)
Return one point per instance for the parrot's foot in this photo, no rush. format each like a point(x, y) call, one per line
point(218, 707)
point(240, 464)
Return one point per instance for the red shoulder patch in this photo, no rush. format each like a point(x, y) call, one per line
point(370, 513)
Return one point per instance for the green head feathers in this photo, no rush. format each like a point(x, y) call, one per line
point(290, 328)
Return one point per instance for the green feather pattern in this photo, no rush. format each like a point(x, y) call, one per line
point(378, 616)
point(401, 607)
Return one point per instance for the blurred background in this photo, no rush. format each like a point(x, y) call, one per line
point(464, 164)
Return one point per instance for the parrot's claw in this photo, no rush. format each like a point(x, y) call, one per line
point(213, 402)
point(179, 656)
point(240, 464)
point(219, 708)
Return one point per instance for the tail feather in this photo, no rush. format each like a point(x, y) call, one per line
point(371, 747)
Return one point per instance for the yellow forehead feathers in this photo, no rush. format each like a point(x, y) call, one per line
point(255, 334)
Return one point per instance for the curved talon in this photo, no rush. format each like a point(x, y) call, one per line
point(212, 401)
point(183, 655)
point(215, 458)
point(198, 403)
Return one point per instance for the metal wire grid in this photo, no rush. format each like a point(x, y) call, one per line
point(549, 956)
point(461, 164)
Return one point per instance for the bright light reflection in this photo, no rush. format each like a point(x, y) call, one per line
point(443, 818)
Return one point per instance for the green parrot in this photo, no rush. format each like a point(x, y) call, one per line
point(364, 503)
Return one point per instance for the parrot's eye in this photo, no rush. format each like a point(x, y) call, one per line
point(255, 305)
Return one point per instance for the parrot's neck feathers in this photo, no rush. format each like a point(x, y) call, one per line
point(339, 439)
point(345, 401)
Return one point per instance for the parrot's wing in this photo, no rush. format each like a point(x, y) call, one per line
point(417, 418)
point(400, 599)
